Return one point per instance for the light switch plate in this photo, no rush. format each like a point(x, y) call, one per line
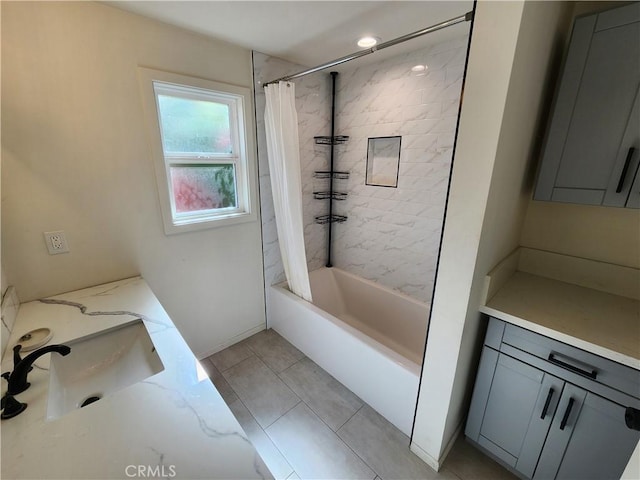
point(56, 242)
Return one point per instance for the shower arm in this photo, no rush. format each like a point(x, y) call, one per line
point(410, 36)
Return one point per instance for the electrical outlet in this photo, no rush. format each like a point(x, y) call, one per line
point(56, 242)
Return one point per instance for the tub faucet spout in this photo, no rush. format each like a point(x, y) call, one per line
point(18, 378)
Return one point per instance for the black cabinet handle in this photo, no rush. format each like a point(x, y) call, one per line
point(632, 418)
point(546, 404)
point(624, 169)
point(591, 374)
point(567, 412)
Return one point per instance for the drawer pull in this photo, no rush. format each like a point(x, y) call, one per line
point(591, 374)
point(567, 412)
point(546, 404)
point(624, 170)
point(632, 418)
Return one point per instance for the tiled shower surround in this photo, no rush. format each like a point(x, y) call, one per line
point(392, 235)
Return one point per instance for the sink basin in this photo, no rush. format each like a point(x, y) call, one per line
point(100, 365)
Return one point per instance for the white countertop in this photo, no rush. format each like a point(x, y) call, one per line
point(174, 422)
point(597, 321)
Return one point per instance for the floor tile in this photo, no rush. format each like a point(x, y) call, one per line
point(469, 463)
point(449, 475)
point(274, 350)
point(300, 443)
point(263, 444)
point(218, 380)
point(385, 448)
point(328, 398)
point(262, 392)
point(313, 450)
point(231, 356)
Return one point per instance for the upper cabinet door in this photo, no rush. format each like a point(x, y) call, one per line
point(634, 195)
point(627, 160)
point(591, 152)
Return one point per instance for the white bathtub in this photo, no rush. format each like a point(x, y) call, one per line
point(369, 337)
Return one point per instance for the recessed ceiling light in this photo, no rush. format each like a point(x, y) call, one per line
point(419, 68)
point(367, 42)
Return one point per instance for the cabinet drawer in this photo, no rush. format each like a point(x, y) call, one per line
point(575, 360)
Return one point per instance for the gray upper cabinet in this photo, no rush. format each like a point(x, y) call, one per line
point(592, 149)
point(634, 194)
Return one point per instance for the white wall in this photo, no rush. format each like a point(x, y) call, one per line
point(4, 282)
point(392, 235)
point(76, 158)
point(8, 310)
point(605, 234)
point(512, 51)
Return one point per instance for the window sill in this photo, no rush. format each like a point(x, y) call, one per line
point(193, 225)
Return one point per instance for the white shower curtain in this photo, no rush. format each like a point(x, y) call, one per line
point(281, 121)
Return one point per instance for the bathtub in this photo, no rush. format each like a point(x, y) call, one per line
point(369, 337)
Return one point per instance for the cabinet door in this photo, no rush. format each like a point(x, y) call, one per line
point(626, 167)
point(513, 427)
point(634, 195)
point(595, 442)
point(584, 151)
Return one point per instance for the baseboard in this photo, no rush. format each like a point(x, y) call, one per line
point(425, 457)
point(232, 341)
point(428, 459)
point(451, 442)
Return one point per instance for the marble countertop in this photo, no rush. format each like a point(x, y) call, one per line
point(174, 424)
point(584, 316)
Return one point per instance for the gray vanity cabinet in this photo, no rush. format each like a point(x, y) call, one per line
point(592, 150)
point(594, 429)
point(519, 407)
point(540, 407)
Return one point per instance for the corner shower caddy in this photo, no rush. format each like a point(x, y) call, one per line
point(331, 174)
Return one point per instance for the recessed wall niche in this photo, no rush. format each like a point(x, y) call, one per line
point(383, 161)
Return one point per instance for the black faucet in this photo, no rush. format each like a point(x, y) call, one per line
point(18, 378)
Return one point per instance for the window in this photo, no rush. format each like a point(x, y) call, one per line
point(202, 150)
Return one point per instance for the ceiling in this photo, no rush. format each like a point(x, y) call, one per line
point(306, 32)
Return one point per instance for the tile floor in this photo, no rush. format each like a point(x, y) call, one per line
point(307, 425)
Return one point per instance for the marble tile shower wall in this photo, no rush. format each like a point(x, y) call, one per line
point(392, 235)
point(313, 119)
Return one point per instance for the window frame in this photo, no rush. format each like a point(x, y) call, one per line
point(239, 100)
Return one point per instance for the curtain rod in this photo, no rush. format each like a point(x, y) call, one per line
point(410, 36)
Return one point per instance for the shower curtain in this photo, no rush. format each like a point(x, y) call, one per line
point(281, 123)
